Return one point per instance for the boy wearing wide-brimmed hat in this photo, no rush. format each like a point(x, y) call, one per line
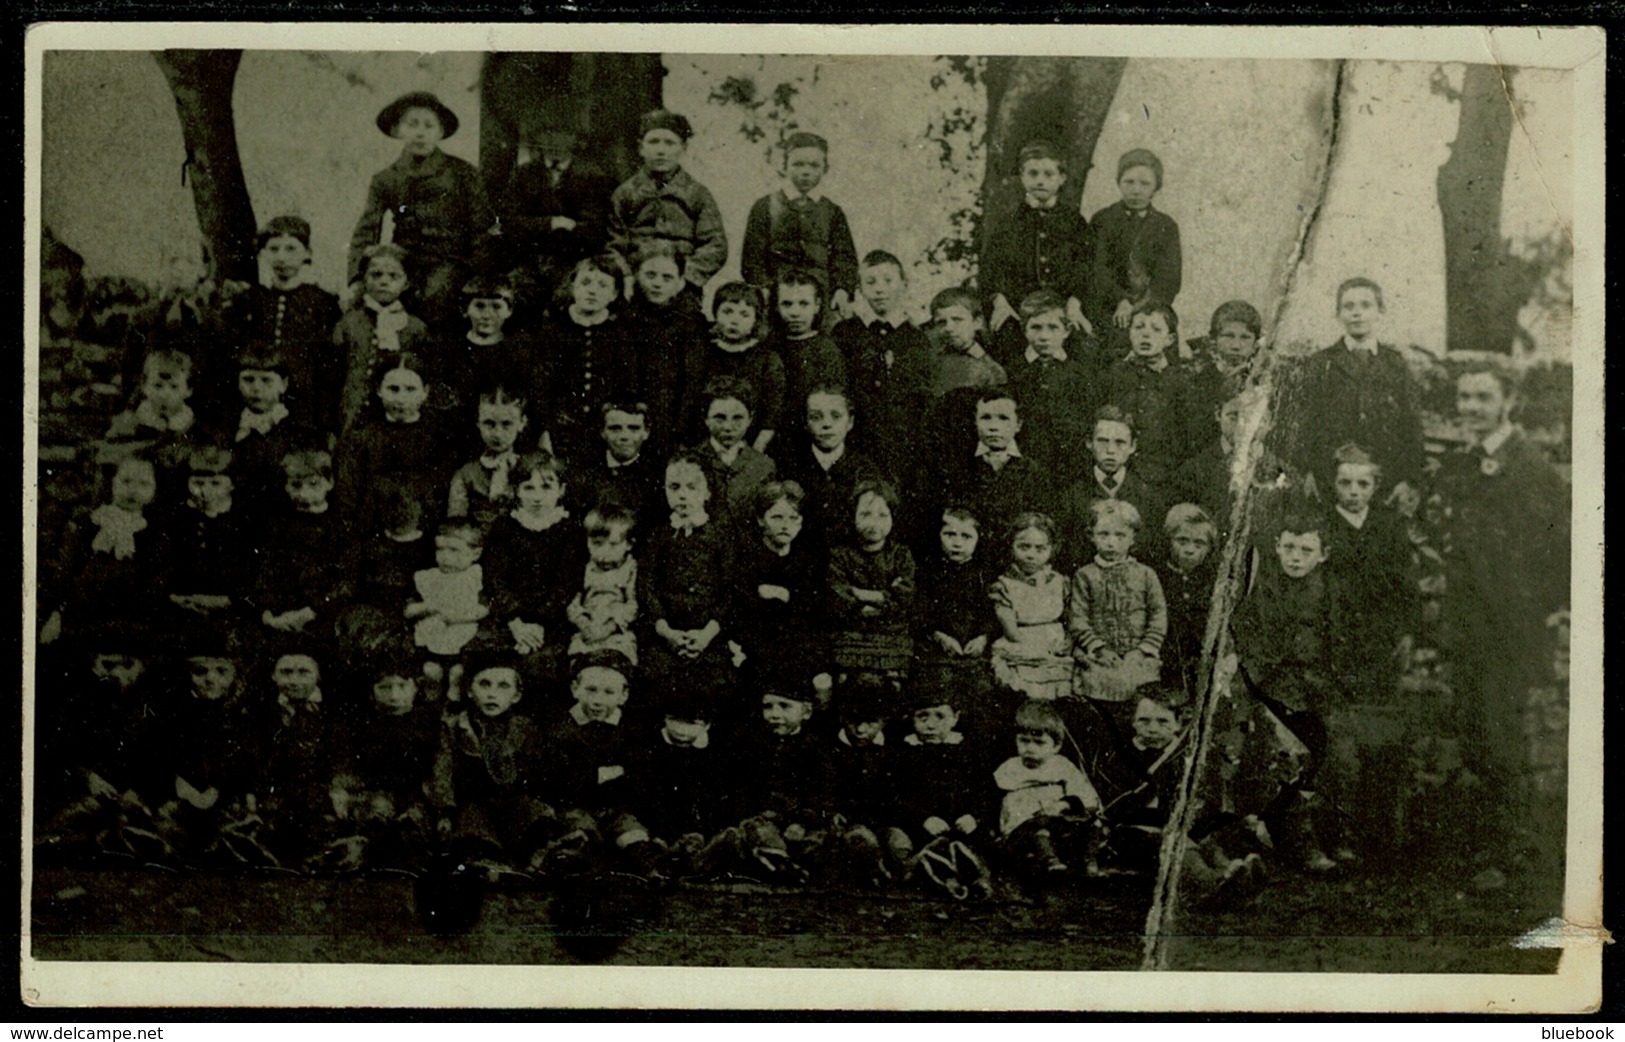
point(440, 212)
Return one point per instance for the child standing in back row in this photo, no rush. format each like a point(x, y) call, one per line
point(802, 228)
point(1137, 252)
point(662, 201)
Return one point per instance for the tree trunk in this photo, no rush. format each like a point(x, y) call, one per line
point(601, 96)
point(1485, 286)
point(1061, 100)
point(202, 83)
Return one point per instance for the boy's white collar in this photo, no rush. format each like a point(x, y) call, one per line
point(1353, 518)
point(791, 195)
point(1031, 354)
point(1495, 439)
point(951, 738)
point(828, 459)
point(579, 715)
point(1013, 452)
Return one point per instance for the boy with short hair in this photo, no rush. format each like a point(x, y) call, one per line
point(810, 357)
point(304, 557)
point(1043, 244)
point(623, 474)
point(888, 363)
point(1187, 575)
point(437, 202)
point(678, 778)
point(1137, 250)
point(262, 433)
point(734, 467)
point(664, 201)
point(1056, 389)
point(961, 360)
point(936, 783)
point(828, 468)
point(378, 329)
point(555, 209)
point(161, 412)
point(779, 786)
point(997, 482)
point(604, 605)
point(1112, 445)
point(1220, 373)
point(802, 228)
point(1148, 386)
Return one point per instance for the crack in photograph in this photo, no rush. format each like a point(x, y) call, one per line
point(611, 508)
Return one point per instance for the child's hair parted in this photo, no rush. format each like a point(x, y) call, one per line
point(457, 528)
point(1036, 521)
point(879, 487)
point(1041, 302)
point(1356, 455)
point(1360, 282)
point(956, 296)
point(1141, 157)
point(1236, 311)
point(498, 393)
point(287, 224)
point(881, 259)
point(1039, 718)
point(771, 493)
point(487, 287)
point(604, 520)
point(1115, 510)
point(1115, 414)
point(661, 249)
point(539, 461)
point(389, 251)
point(1186, 515)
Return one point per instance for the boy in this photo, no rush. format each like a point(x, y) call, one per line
point(810, 357)
point(1046, 803)
point(678, 778)
point(1358, 390)
point(888, 364)
point(936, 816)
point(437, 202)
point(1043, 244)
point(1204, 478)
point(292, 317)
point(828, 469)
point(1221, 372)
point(304, 558)
point(262, 433)
point(208, 555)
point(960, 360)
point(623, 474)
point(663, 201)
point(379, 328)
point(1148, 387)
point(1137, 251)
point(733, 467)
point(299, 754)
point(1187, 575)
point(591, 750)
point(161, 413)
point(1284, 633)
point(484, 488)
point(484, 783)
point(1368, 556)
point(778, 785)
point(1054, 388)
point(1112, 445)
point(802, 228)
point(555, 210)
point(996, 482)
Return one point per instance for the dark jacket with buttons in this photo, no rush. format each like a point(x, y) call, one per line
point(1033, 249)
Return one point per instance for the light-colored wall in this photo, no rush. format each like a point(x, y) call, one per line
point(1234, 137)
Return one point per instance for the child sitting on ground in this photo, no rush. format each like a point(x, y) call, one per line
point(605, 608)
point(679, 780)
point(871, 588)
point(1187, 576)
point(1033, 656)
point(300, 751)
point(1118, 617)
point(860, 774)
point(937, 783)
point(450, 596)
point(377, 331)
point(802, 228)
point(483, 489)
point(778, 791)
point(1047, 804)
point(736, 350)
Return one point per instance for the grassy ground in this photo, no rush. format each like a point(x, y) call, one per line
point(1357, 924)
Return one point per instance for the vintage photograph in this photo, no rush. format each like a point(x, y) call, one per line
point(1089, 504)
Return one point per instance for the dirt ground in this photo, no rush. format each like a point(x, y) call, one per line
point(1361, 923)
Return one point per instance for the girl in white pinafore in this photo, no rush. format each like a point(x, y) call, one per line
point(1030, 600)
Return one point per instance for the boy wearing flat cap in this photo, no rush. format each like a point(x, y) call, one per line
point(437, 202)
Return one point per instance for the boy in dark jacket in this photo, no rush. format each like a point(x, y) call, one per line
point(938, 812)
point(802, 228)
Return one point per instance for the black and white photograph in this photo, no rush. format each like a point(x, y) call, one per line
point(511, 509)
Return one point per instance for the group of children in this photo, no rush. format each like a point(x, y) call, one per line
point(804, 589)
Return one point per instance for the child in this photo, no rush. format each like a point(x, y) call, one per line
point(1148, 387)
point(888, 363)
point(736, 351)
point(449, 604)
point(291, 317)
point(403, 443)
point(483, 489)
point(1047, 802)
point(1118, 617)
point(555, 210)
point(263, 433)
point(592, 750)
point(605, 606)
point(1187, 576)
point(485, 354)
point(859, 769)
point(161, 413)
point(954, 621)
point(1284, 632)
point(437, 203)
point(684, 584)
point(304, 559)
point(387, 754)
point(299, 753)
point(111, 560)
point(1041, 245)
point(588, 353)
point(1204, 478)
point(736, 470)
point(778, 788)
point(1033, 655)
point(960, 359)
point(1113, 445)
point(670, 336)
point(871, 588)
point(1358, 390)
point(1137, 251)
point(776, 582)
point(810, 357)
point(1221, 372)
point(485, 776)
point(378, 330)
point(1057, 390)
point(679, 779)
point(208, 553)
point(624, 474)
point(663, 201)
point(531, 554)
point(996, 481)
point(802, 228)
point(828, 468)
point(387, 559)
point(935, 819)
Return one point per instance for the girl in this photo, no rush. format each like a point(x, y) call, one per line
point(777, 579)
point(672, 349)
point(483, 489)
point(589, 357)
point(735, 350)
point(449, 608)
point(1030, 599)
point(682, 585)
point(606, 604)
point(871, 588)
point(530, 554)
point(379, 328)
point(400, 442)
point(1118, 616)
point(109, 568)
